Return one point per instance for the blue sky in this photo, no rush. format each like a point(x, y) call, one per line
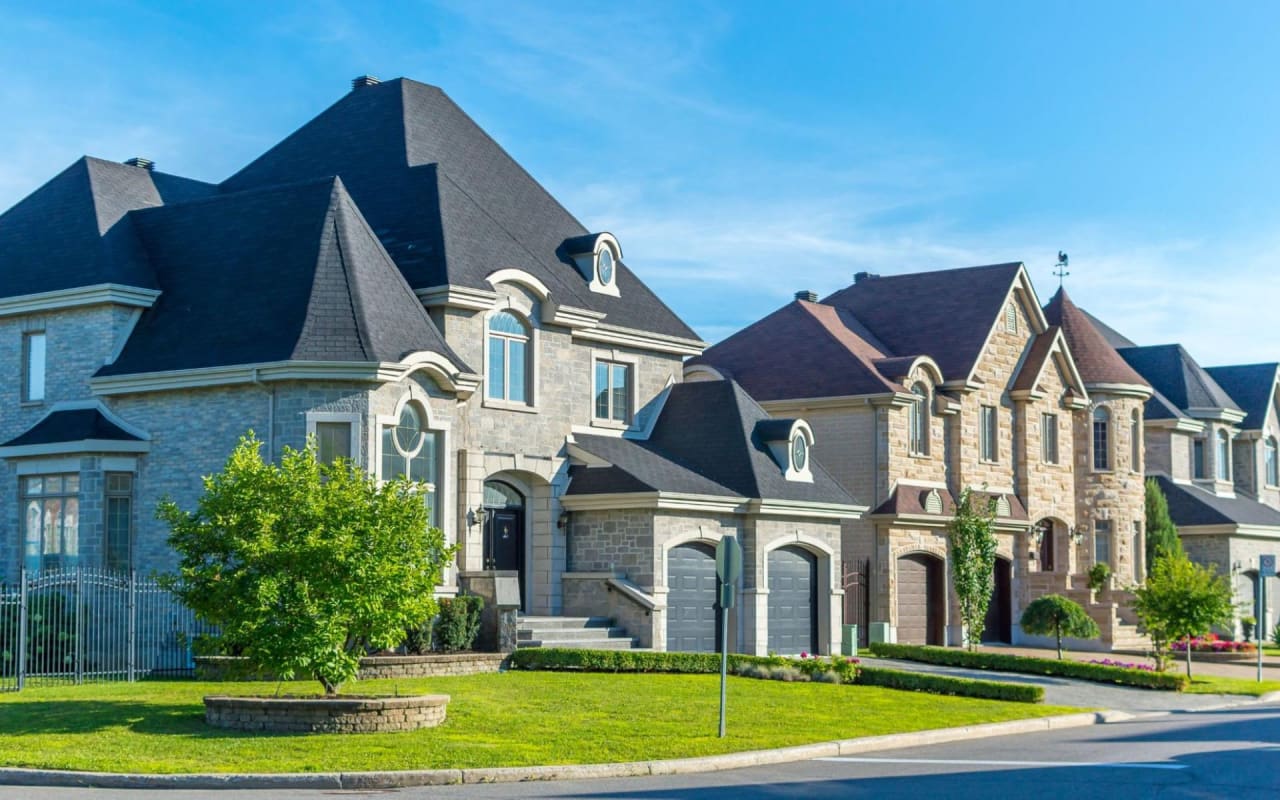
point(742, 151)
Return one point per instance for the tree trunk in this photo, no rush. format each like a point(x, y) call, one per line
point(1057, 630)
point(1188, 657)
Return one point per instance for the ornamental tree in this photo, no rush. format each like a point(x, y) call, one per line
point(1162, 534)
point(1181, 600)
point(973, 561)
point(303, 566)
point(1058, 616)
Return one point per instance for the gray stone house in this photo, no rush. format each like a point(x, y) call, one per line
point(388, 280)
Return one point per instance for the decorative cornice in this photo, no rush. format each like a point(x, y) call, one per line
point(98, 294)
point(677, 501)
point(644, 340)
point(76, 447)
point(454, 296)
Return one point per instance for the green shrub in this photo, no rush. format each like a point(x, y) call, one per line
point(1275, 635)
point(458, 623)
point(1099, 673)
point(51, 638)
point(1057, 616)
point(1098, 575)
point(945, 684)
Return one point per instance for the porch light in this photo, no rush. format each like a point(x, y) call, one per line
point(562, 521)
point(1077, 535)
point(475, 517)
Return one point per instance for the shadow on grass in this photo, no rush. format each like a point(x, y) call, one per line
point(91, 716)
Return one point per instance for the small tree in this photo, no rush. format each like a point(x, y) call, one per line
point(1180, 600)
point(1161, 533)
point(304, 566)
point(1057, 616)
point(973, 561)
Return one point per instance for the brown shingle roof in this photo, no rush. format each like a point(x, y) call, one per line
point(1096, 359)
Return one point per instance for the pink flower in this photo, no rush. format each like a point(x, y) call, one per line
point(804, 654)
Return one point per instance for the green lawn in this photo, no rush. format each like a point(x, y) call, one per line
point(508, 719)
point(1212, 684)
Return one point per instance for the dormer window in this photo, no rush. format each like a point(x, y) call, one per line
point(604, 266)
point(799, 452)
point(596, 256)
point(788, 442)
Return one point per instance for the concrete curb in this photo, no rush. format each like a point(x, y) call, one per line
point(436, 777)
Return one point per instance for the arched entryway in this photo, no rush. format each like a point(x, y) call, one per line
point(1047, 553)
point(793, 601)
point(999, 621)
point(692, 612)
point(921, 598)
point(504, 522)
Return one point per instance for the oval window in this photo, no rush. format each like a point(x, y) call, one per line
point(605, 265)
point(408, 430)
point(799, 452)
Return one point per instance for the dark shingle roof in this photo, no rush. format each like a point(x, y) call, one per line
point(1190, 506)
point(73, 231)
point(1175, 374)
point(705, 441)
point(1095, 357)
point(1252, 386)
point(1113, 337)
point(947, 314)
point(449, 204)
point(72, 425)
point(286, 273)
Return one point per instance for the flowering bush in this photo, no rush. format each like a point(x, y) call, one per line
point(1210, 643)
point(1108, 662)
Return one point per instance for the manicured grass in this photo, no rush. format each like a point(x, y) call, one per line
point(1213, 684)
point(508, 719)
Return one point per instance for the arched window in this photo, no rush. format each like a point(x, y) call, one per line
point(410, 450)
point(1273, 462)
point(1224, 456)
point(1101, 438)
point(918, 421)
point(1135, 441)
point(508, 358)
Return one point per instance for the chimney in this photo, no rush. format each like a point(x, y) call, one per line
point(145, 163)
point(363, 81)
point(805, 294)
point(859, 277)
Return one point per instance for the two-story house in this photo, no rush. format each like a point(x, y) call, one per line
point(927, 384)
point(390, 281)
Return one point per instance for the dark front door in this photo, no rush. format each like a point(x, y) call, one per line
point(920, 600)
point(692, 613)
point(999, 620)
point(793, 601)
point(504, 541)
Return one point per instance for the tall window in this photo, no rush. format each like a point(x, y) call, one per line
point(1135, 441)
point(118, 547)
point(333, 441)
point(1273, 462)
point(1101, 438)
point(918, 421)
point(1049, 438)
point(990, 429)
point(1224, 456)
point(51, 514)
point(508, 358)
point(1139, 552)
point(33, 357)
point(1102, 541)
point(1197, 458)
point(613, 391)
point(411, 451)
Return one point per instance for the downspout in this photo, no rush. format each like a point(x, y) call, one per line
point(271, 414)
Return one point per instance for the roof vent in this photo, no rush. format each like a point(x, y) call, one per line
point(859, 277)
point(145, 163)
point(805, 294)
point(363, 81)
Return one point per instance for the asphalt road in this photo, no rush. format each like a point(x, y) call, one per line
point(1232, 753)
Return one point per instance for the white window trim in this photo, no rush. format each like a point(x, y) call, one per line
point(524, 309)
point(1222, 467)
point(351, 417)
point(1093, 441)
point(24, 389)
point(616, 357)
point(995, 434)
point(920, 411)
point(1049, 418)
point(1267, 476)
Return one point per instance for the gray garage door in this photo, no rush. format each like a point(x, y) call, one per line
point(691, 599)
point(919, 597)
point(793, 596)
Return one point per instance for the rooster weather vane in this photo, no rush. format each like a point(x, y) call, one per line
point(1060, 269)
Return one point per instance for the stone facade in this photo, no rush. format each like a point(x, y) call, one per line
point(326, 715)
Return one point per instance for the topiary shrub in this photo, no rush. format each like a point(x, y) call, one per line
point(458, 624)
point(1057, 616)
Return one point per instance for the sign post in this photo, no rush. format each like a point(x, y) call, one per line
point(728, 570)
point(1266, 569)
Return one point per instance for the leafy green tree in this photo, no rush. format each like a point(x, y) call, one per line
point(1180, 600)
point(1161, 533)
point(973, 560)
point(304, 566)
point(1058, 616)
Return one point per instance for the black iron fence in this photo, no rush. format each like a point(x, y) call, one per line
point(84, 625)
point(856, 583)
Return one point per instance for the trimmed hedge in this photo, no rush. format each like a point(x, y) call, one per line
point(1098, 673)
point(768, 667)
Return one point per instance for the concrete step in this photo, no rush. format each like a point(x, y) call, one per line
point(615, 643)
point(569, 634)
point(563, 623)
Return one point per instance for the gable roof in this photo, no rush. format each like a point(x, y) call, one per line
point(449, 204)
point(1191, 506)
point(1172, 371)
point(947, 314)
point(705, 441)
point(289, 273)
point(73, 231)
point(1095, 357)
point(1253, 388)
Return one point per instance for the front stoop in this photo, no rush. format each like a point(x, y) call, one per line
point(587, 633)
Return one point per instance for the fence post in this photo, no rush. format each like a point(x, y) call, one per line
point(131, 642)
point(22, 627)
point(79, 642)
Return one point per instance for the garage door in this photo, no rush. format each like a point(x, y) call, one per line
point(691, 599)
point(919, 597)
point(793, 606)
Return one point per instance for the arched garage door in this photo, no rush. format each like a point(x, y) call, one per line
point(691, 599)
point(793, 601)
point(919, 595)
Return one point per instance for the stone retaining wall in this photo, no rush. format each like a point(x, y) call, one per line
point(232, 668)
point(326, 715)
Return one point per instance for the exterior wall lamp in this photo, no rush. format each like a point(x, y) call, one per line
point(475, 517)
point(562, 521)
point(1077, 535)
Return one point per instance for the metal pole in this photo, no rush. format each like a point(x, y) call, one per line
point(724, 662)
point(131, 637)
point(78, 645)
point(22, 628)
point(1262, 615)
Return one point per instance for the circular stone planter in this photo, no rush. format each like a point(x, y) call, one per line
point(325, 714)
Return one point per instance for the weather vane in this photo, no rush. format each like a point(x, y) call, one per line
point(1060, 269)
